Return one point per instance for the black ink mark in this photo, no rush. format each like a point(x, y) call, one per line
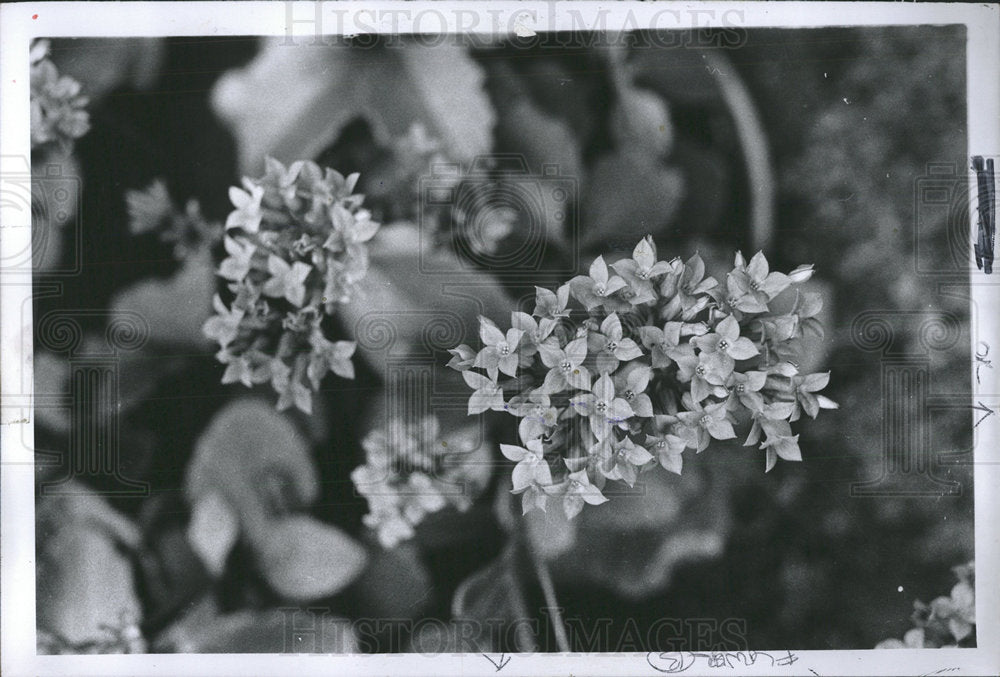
point(673, 662)
point(500, 664)
point(982, 407)
point(981, 360)
point(987, 214)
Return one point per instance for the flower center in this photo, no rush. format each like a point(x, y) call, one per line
point(643, 275)
point(755, 285)
point(575, 485)
point(628, 395)
point(741, 388)
point(503, 349)
point(612, 346)
point(600, 290)
point(703, 421)
point(732, 300)
point(565, 366)
point(601, 407)
point(723, 344)
point(700, 370)
point(662, 444)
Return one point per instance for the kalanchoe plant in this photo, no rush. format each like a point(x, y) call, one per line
point(58, 109)
point(412, 470)
point(296, 248)
point(152, 211)
point(947, 622)
point(656, 358)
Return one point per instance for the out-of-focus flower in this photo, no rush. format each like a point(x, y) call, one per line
point(247, 214)
point(410, 472)
point(58, 109)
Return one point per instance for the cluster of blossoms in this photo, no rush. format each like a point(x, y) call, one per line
point(152, 211)
point(58, 111)
point(295, 248)
point(411, 472)
point(947, 621)
point(654, 358)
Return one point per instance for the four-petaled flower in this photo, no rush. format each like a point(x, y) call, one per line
point(624, 461)
point(753, 286)
point(487, 395)
point(349, 230)
point(566, 368)
point(669, 451)
point(610, 346)
point(287, 281)
point(224, 326)
point(596, 289)
point(781, 446)
point(536, 413)
point(578, 490)
point(805, 397)
point(531, 466)
point(500, 350)
point(327, 356)
point(745, 389)
point(687, 287)
point(631, 383)
point(700, 425)
point(640, 270)
point(665, 344)
point(291, 391)
point(706, 372)
point(551, 304)
point(536, 332)
point(727, 344)
point(236, 266)
point(602, 406)
point(248, 213)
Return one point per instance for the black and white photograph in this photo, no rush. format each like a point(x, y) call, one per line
point(474, 338)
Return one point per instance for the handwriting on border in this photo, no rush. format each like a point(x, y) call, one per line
point(679, 661)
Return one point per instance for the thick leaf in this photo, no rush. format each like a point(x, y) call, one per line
point(84, 575)
point(175, 308)
point(633, 549)
point(213, 531)
point(401, 310)
point(322, 88)
point(628, 196)
point(304, 559)
point(254, 458)
point(205, 630)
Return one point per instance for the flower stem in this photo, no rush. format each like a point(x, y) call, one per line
point(549, 591)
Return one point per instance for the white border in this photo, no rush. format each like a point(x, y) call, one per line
point(17, 28)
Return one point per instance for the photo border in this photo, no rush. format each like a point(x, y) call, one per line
point(22, 22)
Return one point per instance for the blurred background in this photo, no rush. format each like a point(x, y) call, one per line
point(811, 145)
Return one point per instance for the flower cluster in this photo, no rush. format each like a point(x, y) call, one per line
point(152, 211)
point(58, 111)
point(410, 472)
point(296, 248)
point(947, 621)
point(653, 358)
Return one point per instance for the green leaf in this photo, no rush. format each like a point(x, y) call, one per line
point(212, 531)
point(304, 559)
